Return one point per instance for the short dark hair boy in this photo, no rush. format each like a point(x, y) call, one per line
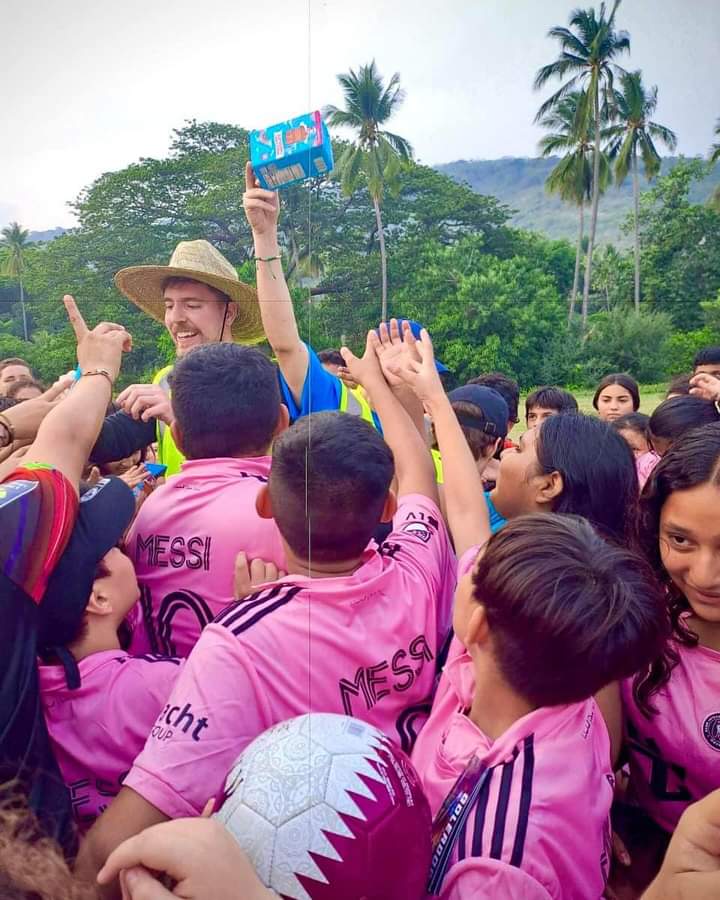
point(548, 401)
point(707, 360)
point(508, 389)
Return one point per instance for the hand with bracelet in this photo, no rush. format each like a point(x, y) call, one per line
point(68, 430)
point(262, 209)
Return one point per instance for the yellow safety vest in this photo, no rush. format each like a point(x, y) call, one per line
point(354, 402)
point(439, 473)
point(168, 453)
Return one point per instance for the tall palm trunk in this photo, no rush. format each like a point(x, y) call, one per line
point(636, 202)
point(594, 209)
point(383, 256)
point(578, 257)
point(22, 307)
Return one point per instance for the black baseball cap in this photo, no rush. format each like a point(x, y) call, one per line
point(105, 511)
point(494, 409)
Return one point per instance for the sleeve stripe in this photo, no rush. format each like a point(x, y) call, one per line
point(260, 614)
point(237, 610)
point(498, 835)
point(480, 810)
point(525, 800)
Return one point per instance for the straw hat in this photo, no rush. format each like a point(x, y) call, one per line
point(200, 261)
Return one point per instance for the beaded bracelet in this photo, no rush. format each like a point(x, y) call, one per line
point(267, 259)
point(103, 372)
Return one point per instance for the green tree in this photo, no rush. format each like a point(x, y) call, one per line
point(376, 155)
point(15, 242)
point(588, 48)
point(571, 179)
point(680, 246)
point(635, 134)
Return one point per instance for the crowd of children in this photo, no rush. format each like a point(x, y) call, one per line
point(536, 623)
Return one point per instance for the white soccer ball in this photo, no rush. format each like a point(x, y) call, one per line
point(326, 806)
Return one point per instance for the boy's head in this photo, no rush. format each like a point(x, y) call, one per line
point(508, 390)
point(548, 401)
point(332, 360)
point(707, 360)
point(25, 389)
point(93, 580)
point(483, 415)
point(226, 402)
point(329, 487)
point(11, 370)
point(678, 387)
point(560, 612)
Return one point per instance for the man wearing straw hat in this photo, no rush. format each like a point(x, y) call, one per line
point(200, 300)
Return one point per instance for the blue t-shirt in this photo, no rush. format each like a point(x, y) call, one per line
point(321, 391)
point(496, 520)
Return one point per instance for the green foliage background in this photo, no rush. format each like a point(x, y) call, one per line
point(493, 296)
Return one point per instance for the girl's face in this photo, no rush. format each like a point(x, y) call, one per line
point(690, 547)
point(637, 441)
point(515, 491)
point(614, 401)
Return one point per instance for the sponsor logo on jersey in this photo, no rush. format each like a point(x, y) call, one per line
point(711, 730)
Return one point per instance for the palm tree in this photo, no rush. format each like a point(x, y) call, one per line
point(376, 155)
point(571, 178)
point(15, 242)
point(633, 133)
point(587, 55)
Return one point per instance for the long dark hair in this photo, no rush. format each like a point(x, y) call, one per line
point(598, 469)
point(626, 381)
point(693, 460)
point(678, 415)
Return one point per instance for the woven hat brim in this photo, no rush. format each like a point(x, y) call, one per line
point(142, 285)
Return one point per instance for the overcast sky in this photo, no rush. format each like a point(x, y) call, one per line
point(88, 86)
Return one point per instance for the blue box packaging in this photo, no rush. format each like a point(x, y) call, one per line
point(291, 151)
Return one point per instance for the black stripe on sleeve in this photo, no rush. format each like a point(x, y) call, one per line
point(525, 800)
point(266, 610)
point(480, 809)
point(237, 610)
point(502, 808)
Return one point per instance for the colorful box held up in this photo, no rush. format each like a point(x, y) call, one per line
point(291, 151)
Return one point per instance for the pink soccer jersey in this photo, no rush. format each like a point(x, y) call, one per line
point(675, 754)
point(97, 730)
point(536, 824)
point(184, 543)
point(364, 645)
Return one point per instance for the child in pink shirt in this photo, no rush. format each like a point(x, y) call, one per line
point(184, 541)
point(350, 630)
point(672, 709)
point(99, 702)
point(516, 758)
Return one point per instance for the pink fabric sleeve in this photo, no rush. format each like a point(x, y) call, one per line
point(419, 528)
point(216, 708)
point(479, 878)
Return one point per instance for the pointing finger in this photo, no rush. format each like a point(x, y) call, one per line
point(76, 319)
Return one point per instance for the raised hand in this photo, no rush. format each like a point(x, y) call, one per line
point(250, 575)
point(365, 370)
point(262, 207)
point(99, 348)
point(416, 367)
point(394, 344)
point(706, 386)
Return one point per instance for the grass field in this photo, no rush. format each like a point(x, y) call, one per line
point(650, 397)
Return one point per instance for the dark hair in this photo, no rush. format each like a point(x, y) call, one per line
point(175, 280)
point(478, 440)
point(598, 469)
point(22, 383)
point(692, 461)
point(550, 397)
point(226, 400)
point(14, 361)
point(505, 386)
point(626, 381)
point(331, 357)
point(708, 356)
point(679, 385)
point(567, 612)
point(678, 415)
point(636, 421)
point(6, 403)
point(329, 480)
